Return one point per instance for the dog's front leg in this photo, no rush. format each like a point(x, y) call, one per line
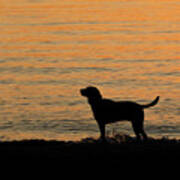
point(102, 130)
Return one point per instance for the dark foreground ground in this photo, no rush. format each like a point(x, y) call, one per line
point(118, 150)
point(120, 157)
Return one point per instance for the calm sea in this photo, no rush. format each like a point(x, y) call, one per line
point(49, 49)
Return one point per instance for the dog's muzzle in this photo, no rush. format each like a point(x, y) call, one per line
point(83, 92)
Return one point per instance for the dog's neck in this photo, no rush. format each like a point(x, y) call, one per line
point(94, 101)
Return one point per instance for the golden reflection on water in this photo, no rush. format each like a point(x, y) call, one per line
point(51, 49)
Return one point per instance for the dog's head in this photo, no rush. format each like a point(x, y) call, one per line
point(91, 92)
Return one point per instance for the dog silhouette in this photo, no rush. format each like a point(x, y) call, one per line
point(108, 111)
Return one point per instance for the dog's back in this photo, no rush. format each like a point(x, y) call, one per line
point(110, 111)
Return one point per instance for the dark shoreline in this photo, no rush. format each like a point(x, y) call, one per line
point(117, 150)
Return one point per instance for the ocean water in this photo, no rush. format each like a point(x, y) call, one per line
point(49, 49)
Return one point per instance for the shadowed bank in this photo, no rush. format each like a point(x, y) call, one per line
point(121, 150)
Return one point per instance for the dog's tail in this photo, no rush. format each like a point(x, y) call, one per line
point(152, 103)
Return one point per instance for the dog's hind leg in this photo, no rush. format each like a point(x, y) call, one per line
point(139, 130)
point(145, 137)
point(136, 130)
point(141, 126)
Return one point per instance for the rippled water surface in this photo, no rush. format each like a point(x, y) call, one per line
point(49, 49)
